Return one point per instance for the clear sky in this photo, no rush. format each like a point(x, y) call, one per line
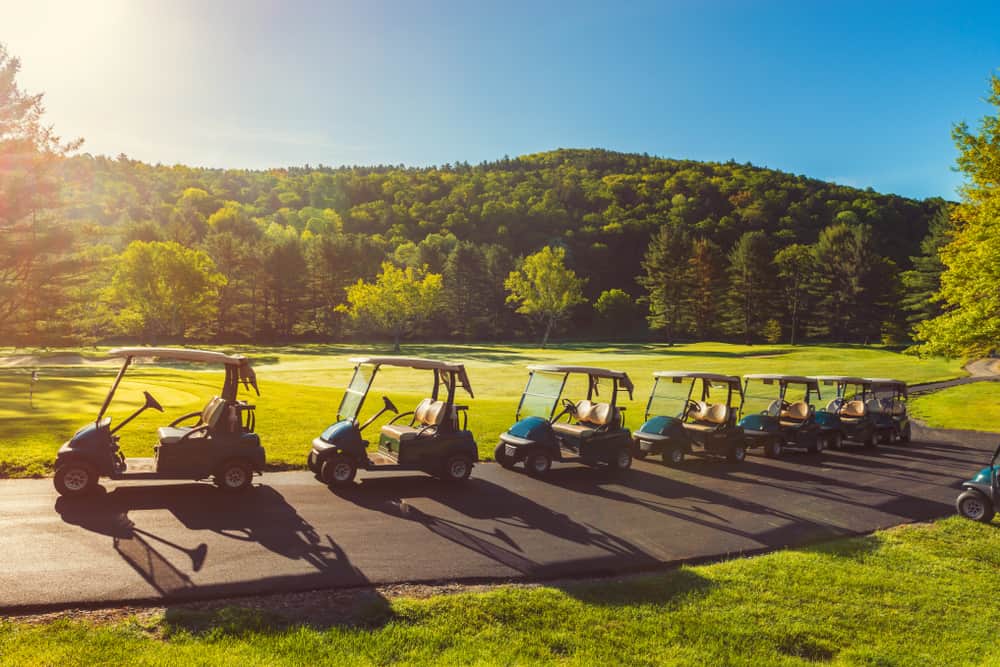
point(862, 93)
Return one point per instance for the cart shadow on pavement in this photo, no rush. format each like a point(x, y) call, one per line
point(260, 516)
point(506, 512)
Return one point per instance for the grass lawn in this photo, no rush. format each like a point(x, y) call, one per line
point(974, 407)
point(301, 387)
point(914, 595)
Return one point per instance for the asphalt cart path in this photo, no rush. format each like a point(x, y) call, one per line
point(176, 541)
point(980, 370)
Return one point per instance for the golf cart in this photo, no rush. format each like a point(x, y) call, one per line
point(979, 499)
point(848, 416)
point(432, 441)
point(593, 434)
point(691, 413)
point(778, 412)
point(221, 444)
point(892, 422)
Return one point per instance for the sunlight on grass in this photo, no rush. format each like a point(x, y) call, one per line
point(301, 387)
point(974, 407)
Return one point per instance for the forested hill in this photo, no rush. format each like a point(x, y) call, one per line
point(287, 242)
point(603, 206)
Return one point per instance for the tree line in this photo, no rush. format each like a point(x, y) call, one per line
point(596, 242)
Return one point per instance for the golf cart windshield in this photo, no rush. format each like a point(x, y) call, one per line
point(669, 397)
point(891, 396)
point(541, 394)
point(762, 397)
point(356, 391)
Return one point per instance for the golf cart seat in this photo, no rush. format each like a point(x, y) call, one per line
point(874, 407)
point(709, 417)
point(853, 409)
point(794, 414)
point(426, 418)
point(590, 418)
point(210, 416)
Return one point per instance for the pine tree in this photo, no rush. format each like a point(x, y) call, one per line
point(750, 281)
point(667, 272)
point(922, 282)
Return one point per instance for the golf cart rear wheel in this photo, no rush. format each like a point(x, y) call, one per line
point(538, 464)
point(637, 452)
point(338, 470)
point(75, 479)
point(906, 434)
point(976, 506)
point(500, 456)
point(673, 456)
point(737, 454)
point(772, 449)
point(457, 468)
point(816, 446)
point(234, 476)
point(870, 441)
point(622, 460)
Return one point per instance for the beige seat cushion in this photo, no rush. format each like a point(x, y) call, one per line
point(853, 409)
point(574, 430)
point(583, 410)
point(171, 435)
point(796, 412)
point(874, 406)
point(702, 427)
point(400, 431)
point(716, 413)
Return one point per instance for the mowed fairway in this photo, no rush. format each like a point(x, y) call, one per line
point(301, 387)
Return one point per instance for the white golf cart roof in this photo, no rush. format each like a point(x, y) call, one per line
point(888, 382)
point(592, 371)
point(420, 364)
point(712, 377)
point(846, 379)
point(778, 377)
point(179, 354)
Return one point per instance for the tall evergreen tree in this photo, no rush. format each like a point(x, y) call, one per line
point(922, 282)
point(666, 275)
point(707, 282)
point(794, 265)
point(750, 274)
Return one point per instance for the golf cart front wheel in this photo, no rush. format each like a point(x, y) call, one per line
point(673, 456)
point(834, 442)
point(772, 450)
point(75, 479)
point(500, 456)
point(737, 454)
point(906, 434)
point(234, 476)
point(976, 506)
point(338, 470)
point(457, 468)
point(637, 452)
point(538, 464)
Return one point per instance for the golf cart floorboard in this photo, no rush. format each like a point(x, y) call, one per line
point(145, 469)
point(388, 462)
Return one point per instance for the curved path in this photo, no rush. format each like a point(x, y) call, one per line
point(172, 542)
point(980, 370)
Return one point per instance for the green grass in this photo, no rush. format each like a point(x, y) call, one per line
point(915, 595)
point(301, 387)
point(974, 407)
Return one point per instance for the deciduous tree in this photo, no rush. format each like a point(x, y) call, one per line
point(544, 288)
point(398, 302)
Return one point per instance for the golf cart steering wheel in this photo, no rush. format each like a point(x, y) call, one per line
point(692, 405)
point(389, 405)
point(152, 402)
point(785, 404)
point(569, 405)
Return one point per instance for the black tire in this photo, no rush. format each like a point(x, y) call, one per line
point(975, 506)
point(538, 464)
point(817, 445)
point(75, 478)
point(773, 449)
point(870, 442)
point(338, 470)
point(834, 442)
point(673, 456)
point(906, 435)
point(234, 476)
point(500, 456)
point(637, 452)
point(457, 468)
point(622, 460)
point(737, 454)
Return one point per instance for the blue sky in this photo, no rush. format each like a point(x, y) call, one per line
point(862, 93)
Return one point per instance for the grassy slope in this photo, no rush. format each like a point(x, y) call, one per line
point(920, 595)
point(972, 406)
point(301, 387)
